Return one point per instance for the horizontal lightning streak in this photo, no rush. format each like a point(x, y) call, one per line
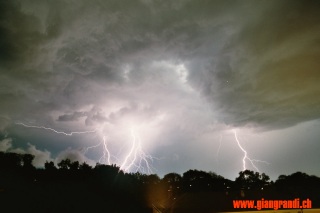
point(260, 161)
point(53, 130)
point(91, 147)
point(136, 158)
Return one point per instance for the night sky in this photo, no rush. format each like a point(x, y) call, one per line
point(175, 83)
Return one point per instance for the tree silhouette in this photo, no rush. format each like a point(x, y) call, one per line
point(251, 180)
point(50, 166)
point(172, 183)
point(85, 167)
point(172, 178)
point(14, 161)
point(74, 165)
point(27, 160)
point(64, 164)
point(195, 180)
point(298, 184)
point(108, 186)
point(152, 179)
point(11, 160)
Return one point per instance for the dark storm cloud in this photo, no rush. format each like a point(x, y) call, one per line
point(254, 62)
point(24, 77)
point(186, 68)
point(71, 117)
point(267, 74)
point(17, 30)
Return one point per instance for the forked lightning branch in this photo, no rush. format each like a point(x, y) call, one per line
point(136, 160)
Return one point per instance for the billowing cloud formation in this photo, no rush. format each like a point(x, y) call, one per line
point(267, 74)
point(40, 157)
point(5, 144)
point(184, 68)
point(74, 155)
point(253, 62)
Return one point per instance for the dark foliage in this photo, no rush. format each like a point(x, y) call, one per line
point(252, 180)
point(75, 187)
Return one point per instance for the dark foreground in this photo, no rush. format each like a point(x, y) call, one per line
point(74, 187)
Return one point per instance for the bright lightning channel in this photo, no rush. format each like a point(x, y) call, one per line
point(106, 156)
point(135, 152)
point(245, 157)
point(53, 130)
point(106, 150)
point(136, 159)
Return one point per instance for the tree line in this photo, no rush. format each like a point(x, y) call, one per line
point(81, 187)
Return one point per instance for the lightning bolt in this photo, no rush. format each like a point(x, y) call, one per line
point(136, 159)
point(106, 151)
point(55, 131)
point(132, 150)
point(245, 157)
